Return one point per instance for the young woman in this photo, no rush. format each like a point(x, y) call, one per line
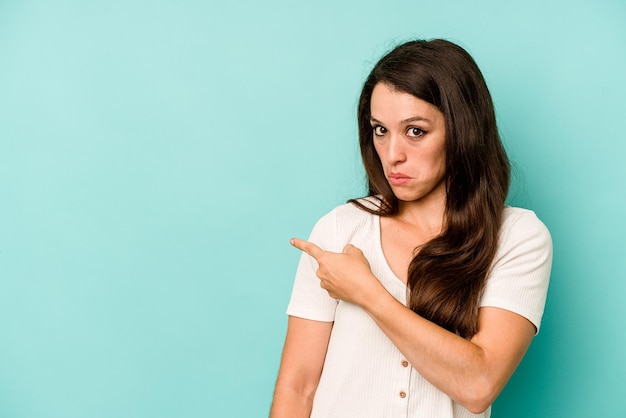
point(421, 299)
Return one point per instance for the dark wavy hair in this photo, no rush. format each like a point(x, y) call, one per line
point(447, 275)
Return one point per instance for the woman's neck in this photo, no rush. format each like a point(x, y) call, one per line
point(426, 214)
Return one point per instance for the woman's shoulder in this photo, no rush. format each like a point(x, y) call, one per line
point(513, 215)
point(348, 222)
point(519, 224)
point(354, 211)
point(360, 207)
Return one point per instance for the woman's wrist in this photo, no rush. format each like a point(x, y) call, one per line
point(373, 295)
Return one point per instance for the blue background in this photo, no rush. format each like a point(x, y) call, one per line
point(155, 158)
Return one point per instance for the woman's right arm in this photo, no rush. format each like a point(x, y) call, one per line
point(300, 367)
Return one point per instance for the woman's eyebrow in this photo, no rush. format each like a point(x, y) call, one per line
point(411, 119)
point(415, 119)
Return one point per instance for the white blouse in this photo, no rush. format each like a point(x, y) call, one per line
point(364, 374)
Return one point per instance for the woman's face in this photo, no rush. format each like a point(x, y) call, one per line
point(409, 137)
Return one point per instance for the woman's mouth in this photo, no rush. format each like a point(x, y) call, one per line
point(398, 179)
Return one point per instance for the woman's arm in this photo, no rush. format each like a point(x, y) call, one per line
point(471, 372)
point(300, 367)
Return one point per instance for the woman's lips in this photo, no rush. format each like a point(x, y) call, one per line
point(398, 179)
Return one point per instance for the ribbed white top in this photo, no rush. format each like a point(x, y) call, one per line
point(364, 374)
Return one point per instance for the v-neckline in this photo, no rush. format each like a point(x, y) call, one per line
point(379, 247)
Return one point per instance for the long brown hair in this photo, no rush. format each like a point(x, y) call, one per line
point(447, 276)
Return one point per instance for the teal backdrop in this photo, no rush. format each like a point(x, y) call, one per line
point(156, 157)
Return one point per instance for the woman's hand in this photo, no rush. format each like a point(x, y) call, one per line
point(346, 275)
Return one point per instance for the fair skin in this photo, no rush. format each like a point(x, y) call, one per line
point(409, 137)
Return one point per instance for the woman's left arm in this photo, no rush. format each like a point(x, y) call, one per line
point(472, 372)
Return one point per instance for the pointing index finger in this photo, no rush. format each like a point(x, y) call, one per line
point(308, 247)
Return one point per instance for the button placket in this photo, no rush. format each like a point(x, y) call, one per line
point(407, 373)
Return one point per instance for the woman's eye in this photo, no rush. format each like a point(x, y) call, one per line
point(379, 130)
point(415, 132)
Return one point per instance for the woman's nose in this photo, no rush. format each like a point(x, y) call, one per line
point(395, 150)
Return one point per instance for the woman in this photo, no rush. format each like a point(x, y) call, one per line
point(421, 299)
